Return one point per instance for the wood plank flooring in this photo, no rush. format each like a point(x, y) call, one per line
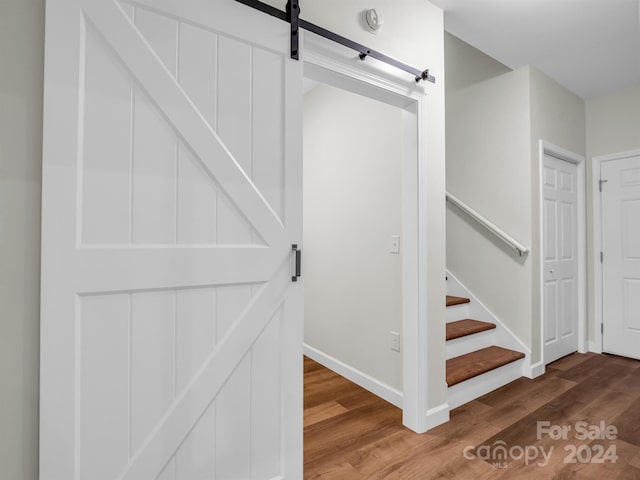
point(352, 434)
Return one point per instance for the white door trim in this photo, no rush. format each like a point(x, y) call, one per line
point(334, 65)
point(596, 236)
point(546, 148)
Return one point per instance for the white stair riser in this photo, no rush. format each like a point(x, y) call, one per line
point(475, 387)
point(458, 312)
point(470, 343)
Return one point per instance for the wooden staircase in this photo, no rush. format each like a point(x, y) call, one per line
point(475, 364)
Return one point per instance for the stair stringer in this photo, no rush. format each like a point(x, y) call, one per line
point(503, 336)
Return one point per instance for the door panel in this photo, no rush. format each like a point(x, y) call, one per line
point(569, 302)
point(171, 331)
point(621, 247)
point(631, 304)
point(630, 230)
point(550, 311)
point(567, 235)
point(104, 375)
point(560, 226)
point(550, 230)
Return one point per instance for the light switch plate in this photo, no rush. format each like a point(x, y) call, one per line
point(395, 244)
point(395, 341)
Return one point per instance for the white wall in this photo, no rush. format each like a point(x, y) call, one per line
point(467, 66)
point(613, 122)
point(21, 58)
point(352, 206)
point(613, 126)
point(489, 168)
point(558, 117)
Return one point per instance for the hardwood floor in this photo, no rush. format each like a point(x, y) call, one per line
point(352, 434)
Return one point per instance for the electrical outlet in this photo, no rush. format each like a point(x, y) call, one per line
point(395, 341)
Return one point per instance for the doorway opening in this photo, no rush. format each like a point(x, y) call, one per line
point(364, 82)
point(325, 59)
point(353, 237)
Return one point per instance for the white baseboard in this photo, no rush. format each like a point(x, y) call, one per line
point(382, 390)
point(437, 415)
point(535, 370)
point(593, 347)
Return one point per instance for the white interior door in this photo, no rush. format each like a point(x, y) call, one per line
point(560, 225)
point(621, 259)
point(171, 329)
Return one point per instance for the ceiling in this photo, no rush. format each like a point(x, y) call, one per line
point(592, 47)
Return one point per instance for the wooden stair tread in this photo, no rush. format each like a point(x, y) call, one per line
point(451, 300)
point(462, 328)
point(476, 363)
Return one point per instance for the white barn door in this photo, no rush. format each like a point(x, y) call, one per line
point(171, 328)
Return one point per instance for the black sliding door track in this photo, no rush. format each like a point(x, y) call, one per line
point(292, 15)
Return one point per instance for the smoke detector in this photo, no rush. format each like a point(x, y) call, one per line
point(373, 20)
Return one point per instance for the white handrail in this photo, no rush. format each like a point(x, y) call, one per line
point(513, 243)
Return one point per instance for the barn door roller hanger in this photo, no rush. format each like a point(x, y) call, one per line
point(292, 15)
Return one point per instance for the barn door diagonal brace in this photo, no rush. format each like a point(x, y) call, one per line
point(292, 16)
